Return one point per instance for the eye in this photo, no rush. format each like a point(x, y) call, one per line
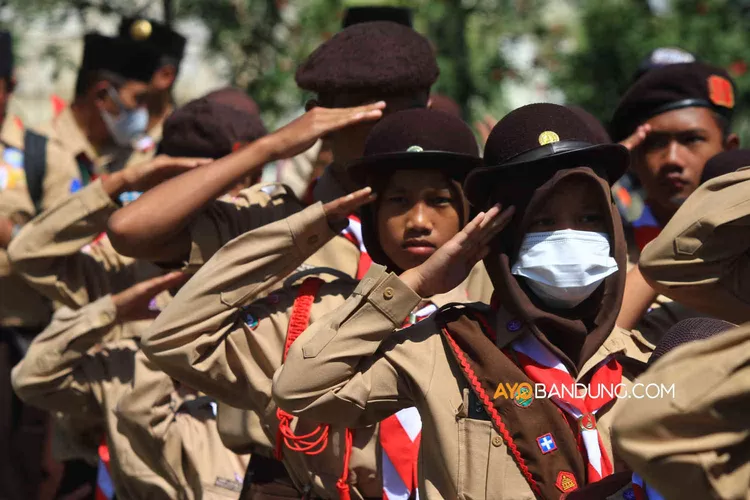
point(396, 199)
point(693, 139)
point(543, 222)
point(591, 219)
point(440, 201)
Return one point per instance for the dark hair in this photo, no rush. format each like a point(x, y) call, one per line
point(725, 126)
point(88, 78)
point(420, 97)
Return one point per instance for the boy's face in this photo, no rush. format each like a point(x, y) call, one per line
point(670, 161)
point(569, 206)
point(417, 213)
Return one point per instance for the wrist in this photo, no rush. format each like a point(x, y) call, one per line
point(413, 280)
point(267, 148)
point(115, 184)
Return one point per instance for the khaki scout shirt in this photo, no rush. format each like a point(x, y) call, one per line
point(359, 380)
point(696, 443)
point(20, 305)
point(72, 367)
point(219, 339)
point(701, 256)
point(179, 424)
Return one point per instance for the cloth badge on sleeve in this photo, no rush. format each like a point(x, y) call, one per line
point(13, 157)
point(75, 186)
point(566, 481)
point(546, 443)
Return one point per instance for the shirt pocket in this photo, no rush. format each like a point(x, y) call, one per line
point(474, 442)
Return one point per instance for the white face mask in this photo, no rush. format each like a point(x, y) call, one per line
point(563, 268)
point(127, 126)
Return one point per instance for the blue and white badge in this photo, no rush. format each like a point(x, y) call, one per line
point(13, 157)
point(546, 443)
point(75, 186)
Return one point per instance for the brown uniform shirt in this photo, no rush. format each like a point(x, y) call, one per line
point(216, 336)
point(695, 444)
point(356, 384)
point(701, 256)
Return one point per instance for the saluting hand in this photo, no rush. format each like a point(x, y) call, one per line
point(637, 137)
point(144, 176)
point(339, 209)
point(133, 304)
point(451, 264)
point(301, 134)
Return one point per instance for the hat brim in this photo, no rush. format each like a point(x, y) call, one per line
point(610, 160)
point(455, 165)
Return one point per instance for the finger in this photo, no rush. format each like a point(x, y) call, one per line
point(497, 226)
point(185, 162)
point(465, 237)
point(170, 280)
point(350, 199)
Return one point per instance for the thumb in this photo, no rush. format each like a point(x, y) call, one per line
point(165, 282)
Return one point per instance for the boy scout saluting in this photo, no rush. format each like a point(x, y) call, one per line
point(558, 271)
point(64, 255)
point(217, 337)
point(344, 86)
point(700, 257)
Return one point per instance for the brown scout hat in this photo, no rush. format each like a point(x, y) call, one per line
point(382, 57)
point(408, 140)
point(536, 141)
point(671, 87)
point(725, 163)
point(125, 58)
point(211, 128)
point(368, 13)
point(165, 40)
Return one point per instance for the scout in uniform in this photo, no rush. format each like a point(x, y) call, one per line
point(694, 443)
point(700, 257)
point(334, 71)
point(171, 47)
point(66, 255)
point(218, 337)
point(108, 113)
point(558, 271)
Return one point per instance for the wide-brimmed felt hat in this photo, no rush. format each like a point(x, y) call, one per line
point(164, 39)
point(725, 162)
point(369, 13)
point(418, 139)
point(532, 143)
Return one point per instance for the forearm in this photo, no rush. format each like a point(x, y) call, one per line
point(637, 299)
point(49, 375)
point(145, 227)
point(339, 345)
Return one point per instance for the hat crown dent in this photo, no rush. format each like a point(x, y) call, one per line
point(419, 130)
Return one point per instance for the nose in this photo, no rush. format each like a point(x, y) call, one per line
point(673, 155)
point(418, 220)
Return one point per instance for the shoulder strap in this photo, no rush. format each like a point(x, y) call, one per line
point(301, 310)
point(35, 165)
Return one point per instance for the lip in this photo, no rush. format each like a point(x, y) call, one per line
point(675, 182)
point(419, 247)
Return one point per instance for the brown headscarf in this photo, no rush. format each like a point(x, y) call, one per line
point(573, 334)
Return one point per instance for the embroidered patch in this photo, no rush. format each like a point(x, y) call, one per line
point(513, 325)
point(628, 494)
point(251, 321)
point(13, 157)
point(75, 186)
point(228, 484)
point(414, 149)
point(546, 443)
point(720, 91)
point(548, 137)
point(566, 481)
point(524, 396)
point(11, 178)
point(588, 422)
point(273, 299)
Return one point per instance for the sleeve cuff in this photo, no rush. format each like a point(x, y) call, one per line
point(310, 229)
point(94, 198)
point(393, 298)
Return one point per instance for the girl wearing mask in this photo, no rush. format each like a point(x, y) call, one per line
point(229, 328)
point(516, 397)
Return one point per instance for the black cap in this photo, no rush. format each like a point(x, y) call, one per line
point(663, 56)
point(167, 41)
point(6, 54)
point(536, 141)
point(127, 59)
point(725, 163)
point(673, 87)
point(379, 57)
point(368, 13)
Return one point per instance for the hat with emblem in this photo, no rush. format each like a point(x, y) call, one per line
point(534, 142)
point(125, 58)
point(212, 126)
point(725, 162)
point(660, 57)
point(417, 139)
point(6, 54)
point(168, 42)
point(673, 87)
point(382, 57)
point(368, 13)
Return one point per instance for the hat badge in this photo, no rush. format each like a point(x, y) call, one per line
point(548, 137)
point(414, 149)
point(141, 30)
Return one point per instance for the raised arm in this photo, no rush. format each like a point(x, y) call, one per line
point(701, 257)
point(155, 227)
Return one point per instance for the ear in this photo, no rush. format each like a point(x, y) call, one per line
point(731, 142)
point(99, 91)
point(310, 104)
point(167, 74)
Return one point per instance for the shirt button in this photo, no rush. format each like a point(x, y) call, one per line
point(388, 293)
point(497, 441)
point(312, 239)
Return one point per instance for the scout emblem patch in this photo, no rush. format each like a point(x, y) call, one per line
point(524, 396)
point(414, 149)
point(251, 321)
point(546, 443)
point(720, 91)
point(548, 137)
point(566, 481)
point(75, 186)
point(12, 174)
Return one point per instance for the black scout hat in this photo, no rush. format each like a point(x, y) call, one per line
point(660, 57)
point(673, 87)
point(415, 139)
point(381, 56)
point(725, 162)
point(534, 142)
point(127, 59)
point(368, 13)
point(168, 42)
point(210, 127)
point(6, 54)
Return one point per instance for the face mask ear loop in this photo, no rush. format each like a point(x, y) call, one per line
point(116, 99)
